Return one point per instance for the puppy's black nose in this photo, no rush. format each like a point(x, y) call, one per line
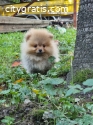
point(40, 50)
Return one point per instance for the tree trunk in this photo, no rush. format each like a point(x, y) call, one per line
point(83, 54)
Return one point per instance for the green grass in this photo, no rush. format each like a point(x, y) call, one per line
point(10, 46)
point(67, 40)
point(9, 52)
point(52, 97)
point(48, 91)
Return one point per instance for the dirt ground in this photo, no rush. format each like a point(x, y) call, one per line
point(24, 114)
point(32, 113)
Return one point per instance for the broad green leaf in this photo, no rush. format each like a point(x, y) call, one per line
point(16, 86)
point(4, 92)
point(53, 81)
point(4, 121)
point(76, 87)
point(9, 120)
point(2, 101)
point(51, 59)
point(72, 91)
point(90, 107)
point(50, 90)
point(87, 90)
point(65, 121)
point(88, 82)
point(85, 120)
point(69, 92)
point(1, 76)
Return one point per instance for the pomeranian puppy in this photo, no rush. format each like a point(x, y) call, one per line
point(37, 47)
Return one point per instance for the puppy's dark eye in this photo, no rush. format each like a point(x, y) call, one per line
point(35, 46)
point(43, 45)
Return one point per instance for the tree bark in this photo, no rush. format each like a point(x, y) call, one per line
point(83, 54)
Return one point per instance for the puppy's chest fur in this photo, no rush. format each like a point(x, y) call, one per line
point(35, 64)
point(40, 65)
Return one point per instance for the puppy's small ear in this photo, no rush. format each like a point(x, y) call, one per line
point(28, 37)
point(28, 34)
point(50, 36)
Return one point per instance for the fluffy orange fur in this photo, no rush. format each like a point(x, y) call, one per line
point(37, 47)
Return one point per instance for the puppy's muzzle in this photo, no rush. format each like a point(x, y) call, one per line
point(40, 51)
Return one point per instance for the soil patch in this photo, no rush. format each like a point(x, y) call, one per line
point(24, 114)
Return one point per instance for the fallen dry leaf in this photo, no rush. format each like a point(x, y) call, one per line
point(18, 81)
point(16, 63)
point(36, 91)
